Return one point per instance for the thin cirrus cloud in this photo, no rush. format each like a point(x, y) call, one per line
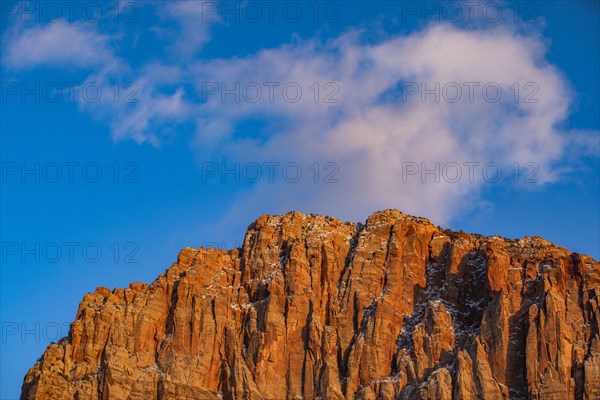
point(370, 130)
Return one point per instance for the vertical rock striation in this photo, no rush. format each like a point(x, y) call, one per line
point(314, 308)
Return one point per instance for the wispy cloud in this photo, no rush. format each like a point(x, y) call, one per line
point(150, 101)
point(368, 108)
point(373, 131)
point(194, 20)
point(58, 44)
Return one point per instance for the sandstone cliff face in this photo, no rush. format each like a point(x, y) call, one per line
point(314, 308)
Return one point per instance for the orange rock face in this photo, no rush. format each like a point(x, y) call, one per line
point(314, 308)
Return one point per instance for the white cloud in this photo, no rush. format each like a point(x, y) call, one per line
point(145, 105)
point(370, 133)
point(58, 44)
point(194, 19)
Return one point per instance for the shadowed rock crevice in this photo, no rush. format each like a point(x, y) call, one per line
point(311, 307)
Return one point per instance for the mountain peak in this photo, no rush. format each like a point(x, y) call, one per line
point(314, 307)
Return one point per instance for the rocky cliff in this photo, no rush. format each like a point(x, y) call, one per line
point(314, 308)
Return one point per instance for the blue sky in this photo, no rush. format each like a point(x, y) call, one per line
point(131, 130)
